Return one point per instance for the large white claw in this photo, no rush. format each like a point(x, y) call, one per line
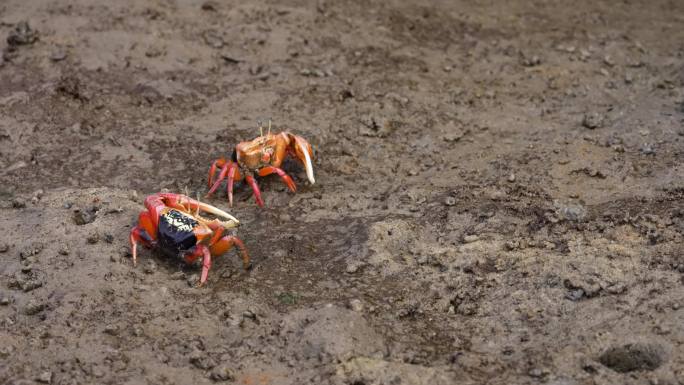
point(232, 221)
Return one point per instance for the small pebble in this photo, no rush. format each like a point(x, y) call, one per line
point(111, 329)
point(450, 201)
point(34, 307)
point(93, 238)
point(222, 373)
point(592, 120)
point(470, 238)
point(356, 305)
point(4, 301)
point(150, 267)
point(647, 149)
point(4, 247)
point(58, 55)
point(45, 377)
point(511, 178)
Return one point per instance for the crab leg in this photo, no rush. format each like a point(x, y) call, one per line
point(135, 238)
point(206, 264)
point(229, 187)
point(255, 188)
point(226, 243)
point(286, 178)
point(212, 171)
point(221, 177)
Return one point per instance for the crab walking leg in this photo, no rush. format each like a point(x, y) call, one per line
point(212, 171)
point(206, 263)
point(220, 178)
point(231, 180)
point(255, 188)
point(226, 243)
point(135, 238)
point(286, 178)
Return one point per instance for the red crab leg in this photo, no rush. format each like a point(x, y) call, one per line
point(231, 179)
point(226, 243)
point(212, 170)
point(206, 264)
point(255, 188)
point(221, 177)
point(136, 236)
point(201, 251)
point(286, 178)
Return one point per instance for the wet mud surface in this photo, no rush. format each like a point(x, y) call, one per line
point(498, 195)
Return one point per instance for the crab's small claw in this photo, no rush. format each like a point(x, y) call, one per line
point(255, 188)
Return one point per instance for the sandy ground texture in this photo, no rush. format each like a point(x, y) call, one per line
point(499, 195)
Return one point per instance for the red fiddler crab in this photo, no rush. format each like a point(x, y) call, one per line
point(172, 223)
point(261, 156)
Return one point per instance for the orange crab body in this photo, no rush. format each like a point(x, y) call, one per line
point(261, 156)
point(173, 224)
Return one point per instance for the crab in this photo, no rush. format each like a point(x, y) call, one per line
point(173, 224)
point(261, 156)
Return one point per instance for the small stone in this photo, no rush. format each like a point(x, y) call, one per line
point(213, 39)
point(592, 120)
point(531, 61)
point(179, 275)
point(137, 331)
point(193, 280)
point(21, 35)
point(222, 373)
point(450, 201)
point(201, 360)
point(93, 238)
point(45, 377)
point(109, 238)
point(4, 248)
point(30, 284)
point(574, 213)
point(535, 372)
point(18, 203)
point(647, 149)
point(470, 238)
point(575, 295)
point(64, 250)
point(82, 217)
point(58, 55)
point(356, 305)
point(511, 178)
point(607, 60)
point(150, 267)
point(353, 267)
point(4, 301)
point(111, 329)
point(34, 307)
point(209, 6)
point(115, 258)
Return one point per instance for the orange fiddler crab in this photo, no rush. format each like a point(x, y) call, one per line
point(261, 156)
point(172, 223)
